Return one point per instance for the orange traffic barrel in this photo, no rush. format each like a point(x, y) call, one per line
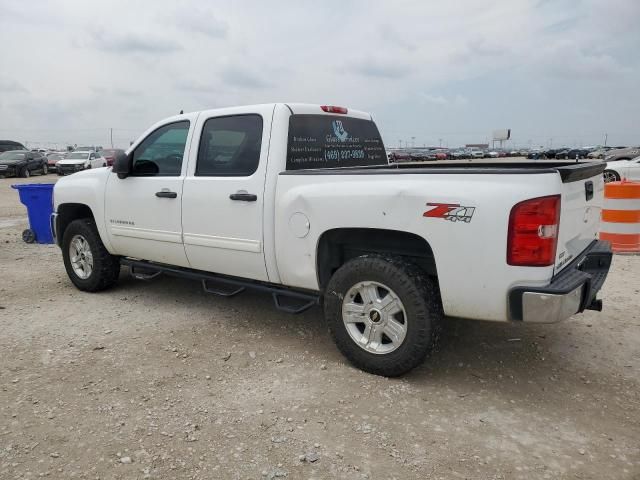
point(621, 216)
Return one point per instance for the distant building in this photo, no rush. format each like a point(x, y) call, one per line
point(477, 145)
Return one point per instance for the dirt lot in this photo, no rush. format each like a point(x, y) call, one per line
point(160, 380)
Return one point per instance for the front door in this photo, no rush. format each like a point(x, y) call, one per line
point(223, 197)
point(143, 211)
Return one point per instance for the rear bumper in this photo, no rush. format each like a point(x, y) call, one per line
point(571, 291)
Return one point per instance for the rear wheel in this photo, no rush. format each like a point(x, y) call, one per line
point(45, 169)
point(384, 314)
point(611, 176)
point(89, 265)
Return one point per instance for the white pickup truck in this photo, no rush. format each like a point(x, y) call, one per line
point(298, 200)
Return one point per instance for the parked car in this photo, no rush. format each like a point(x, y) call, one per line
point(599, 152)
point(619, 169)
point(110, 154)
point(7, 145)
point(53, 158)
point(459, 154)
point(626, 153)
point(80, 160)
point(387, 251)
point(537, 155)
point(396, 156)
point(476, 154)
point(422, 155)
point(572, 154)
point(87, 149)
point(442, 154)
point(22, 163)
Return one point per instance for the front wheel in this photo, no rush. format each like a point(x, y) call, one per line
point(384, 314)
point(25, 173)
point(89, 265)
point(611, 176)
point(45, 169)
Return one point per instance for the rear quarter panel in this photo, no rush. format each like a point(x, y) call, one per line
point(470, 257)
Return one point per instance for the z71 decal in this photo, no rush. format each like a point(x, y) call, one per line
point(450, 211)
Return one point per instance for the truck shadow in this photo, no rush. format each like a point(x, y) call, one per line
point(471, 354)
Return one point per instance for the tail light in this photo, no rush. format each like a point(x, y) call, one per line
point(334, 109)
point(533, 232)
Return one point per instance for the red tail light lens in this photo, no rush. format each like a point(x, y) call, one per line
point(533, 232)
point(334, 109)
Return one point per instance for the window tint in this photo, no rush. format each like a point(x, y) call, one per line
point(230, 146)
point(161, 153)
point(328, 141)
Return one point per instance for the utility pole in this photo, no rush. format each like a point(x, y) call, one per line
point(606, 135)
point(440, 140)
point(111, 135)
point(399, 143)
point(413, 139)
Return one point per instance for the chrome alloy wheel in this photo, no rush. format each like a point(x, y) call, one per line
point(609, 176)
point(374, 317)
point(81, 257)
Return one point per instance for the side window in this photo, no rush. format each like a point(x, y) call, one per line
point(230, 146)
point(161, 153)
point(92, 157)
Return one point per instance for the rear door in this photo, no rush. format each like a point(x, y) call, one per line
point(582, 194)
point(223, 199)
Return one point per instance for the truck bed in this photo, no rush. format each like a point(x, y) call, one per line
point(569, 171)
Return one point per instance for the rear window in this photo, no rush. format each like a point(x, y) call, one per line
point(332, 141)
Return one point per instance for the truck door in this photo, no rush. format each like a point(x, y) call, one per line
point(142, 212)
point(223, 198)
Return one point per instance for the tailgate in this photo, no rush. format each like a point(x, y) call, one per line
point(582, 196)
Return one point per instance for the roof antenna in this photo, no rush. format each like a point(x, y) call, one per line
point(181, 112)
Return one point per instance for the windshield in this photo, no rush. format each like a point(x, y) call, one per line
point(11, 156)
point(77, 156)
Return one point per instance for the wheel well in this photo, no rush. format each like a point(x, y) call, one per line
point(335, 247)
point(67, 213)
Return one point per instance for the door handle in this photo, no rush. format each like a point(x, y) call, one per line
point(166, 194)
point(243, 197)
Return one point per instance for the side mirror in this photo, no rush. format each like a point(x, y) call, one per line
point(122, 165)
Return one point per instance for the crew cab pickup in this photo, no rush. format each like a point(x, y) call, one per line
point(299, 200)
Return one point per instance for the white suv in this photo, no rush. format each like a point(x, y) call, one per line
point(76, 161)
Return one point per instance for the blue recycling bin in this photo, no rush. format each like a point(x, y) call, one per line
point(38, 198)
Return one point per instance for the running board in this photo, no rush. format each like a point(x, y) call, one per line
point(285, 299)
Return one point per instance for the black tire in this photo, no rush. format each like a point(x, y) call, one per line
point(421, 300)
point(611, 176)
point(45, 169)
point(106, 267)
point(28, 236)
point(25, 173)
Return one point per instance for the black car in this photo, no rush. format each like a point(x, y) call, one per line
point(22, 163)
point(6, 145)
point(572, 154)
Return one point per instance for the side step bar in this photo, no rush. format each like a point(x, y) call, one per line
point(285, 299)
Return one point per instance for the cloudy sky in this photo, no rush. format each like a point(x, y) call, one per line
point(554, 71)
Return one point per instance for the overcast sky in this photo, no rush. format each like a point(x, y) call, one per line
point(447, 70)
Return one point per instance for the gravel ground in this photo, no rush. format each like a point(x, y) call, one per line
point(160, 380)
